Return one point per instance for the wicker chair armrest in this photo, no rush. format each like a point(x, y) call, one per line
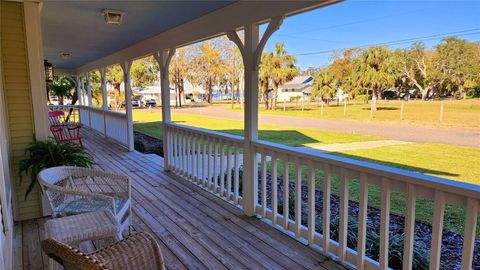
point(138, 251)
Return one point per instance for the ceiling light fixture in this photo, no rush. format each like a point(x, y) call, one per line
point(113, 16)
point(66, 55)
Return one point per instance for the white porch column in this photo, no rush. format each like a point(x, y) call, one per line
point(89, 90)
point(104, 99)
point(33, 35)
point(89, 97)
point(104, 89)
point(78, 80)
point(128, 102)
point(251, 52)
point(163, 58)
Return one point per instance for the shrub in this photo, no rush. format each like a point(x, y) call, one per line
point(139, 146)
point(50, 153)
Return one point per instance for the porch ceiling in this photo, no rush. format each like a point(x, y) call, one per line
point(78, 27)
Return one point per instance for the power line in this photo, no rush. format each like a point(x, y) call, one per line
point(401, 41)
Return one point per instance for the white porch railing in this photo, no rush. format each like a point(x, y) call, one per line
point(209, 159)
point(214, 161)
point(112, 124)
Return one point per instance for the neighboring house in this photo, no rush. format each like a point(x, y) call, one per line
point(154, 92)
point(300, 86)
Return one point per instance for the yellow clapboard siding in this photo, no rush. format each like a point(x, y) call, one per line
point(18, 98)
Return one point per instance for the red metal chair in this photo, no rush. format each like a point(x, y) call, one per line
point(56, 118)
point(66, 133)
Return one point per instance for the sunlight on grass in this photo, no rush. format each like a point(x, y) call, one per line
point(447, 161)
point(457, 113)
point(150, 123)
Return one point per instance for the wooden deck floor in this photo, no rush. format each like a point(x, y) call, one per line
point(195, 229)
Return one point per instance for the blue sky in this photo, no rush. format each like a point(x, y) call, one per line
point(358, 23)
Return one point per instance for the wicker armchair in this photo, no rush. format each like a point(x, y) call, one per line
point(75, 190)
point(139, 251)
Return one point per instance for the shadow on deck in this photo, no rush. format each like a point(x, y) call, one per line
point(195, 230)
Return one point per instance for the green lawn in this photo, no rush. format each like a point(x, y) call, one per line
point(150, 123)
point(447, 161)
point(457, 113)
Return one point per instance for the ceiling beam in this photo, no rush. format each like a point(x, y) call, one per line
point(216, 23)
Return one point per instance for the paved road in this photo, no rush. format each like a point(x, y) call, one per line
point(400, 132)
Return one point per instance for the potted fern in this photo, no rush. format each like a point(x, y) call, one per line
point(50, 153)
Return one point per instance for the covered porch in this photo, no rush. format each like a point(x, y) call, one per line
point(218, 201)
point(195, 229)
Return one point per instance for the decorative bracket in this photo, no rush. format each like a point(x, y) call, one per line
point(273, 26)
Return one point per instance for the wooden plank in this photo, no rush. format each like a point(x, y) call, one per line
point(193, 216)
point(205, 208)
point(32, 256)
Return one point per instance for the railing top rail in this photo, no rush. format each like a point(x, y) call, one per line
point(110, 112)
point(459, 188)
point(220, 135)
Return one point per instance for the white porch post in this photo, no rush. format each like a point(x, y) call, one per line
point(33, 35)
point(163, 58)
point(104, 99)
point(89, 90)
point(104, 89)
point(251, 52)
point(89, 97)
point(78, 80)
point(128, 102)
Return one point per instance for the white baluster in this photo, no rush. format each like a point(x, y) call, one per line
point(311, 203)
point(362, 221)
point(384, 223)
point(286, 193)
point(236, 176)
point(274, 188)
point(409, 228)
point(188, 148)
point(215, 166)
point(327, 175)
point(343, 223)
point(298, 197)
point(263, 183)
point(222, 168)
point(229, 172)
point(210, 151)
point(437, 229)
point(469, 235)
point(204, 160)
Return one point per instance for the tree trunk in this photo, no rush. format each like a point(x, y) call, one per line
point(60, 100)
point(374, 100)
point(232, 87)
point(182, 85)
point(462, 92)
point(210, 93)
point(176, 94)
point(265, 94)
point(273, 106)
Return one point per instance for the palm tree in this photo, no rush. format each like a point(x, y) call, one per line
point(266, 70)
point(375, 71)
point(62, 86)
point(283, 70)
point(324, 85)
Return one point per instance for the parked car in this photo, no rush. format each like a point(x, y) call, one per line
point(137, 103)
point(151, 102)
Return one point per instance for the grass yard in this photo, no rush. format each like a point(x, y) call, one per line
point(457, 113)
point(446, 161)
point(150, 123)
point(452, 162)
